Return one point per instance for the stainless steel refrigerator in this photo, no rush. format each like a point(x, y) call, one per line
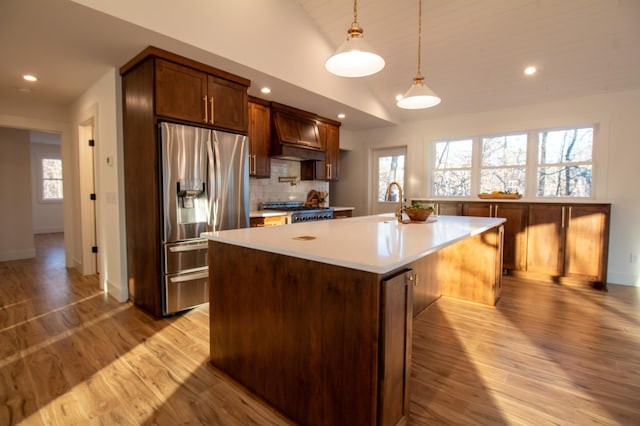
point(205, 184)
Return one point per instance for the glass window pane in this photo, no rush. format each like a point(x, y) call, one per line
point(567, 181)
point(453, 154)
point(51, 168)
point(52, 189)
point(510, 179)
point(504, 151)
point(390, 169)
point(562, 146)
point(452, 183)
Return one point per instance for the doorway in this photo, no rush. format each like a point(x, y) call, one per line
point(388, 166)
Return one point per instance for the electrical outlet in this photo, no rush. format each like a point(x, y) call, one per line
point(633, 258)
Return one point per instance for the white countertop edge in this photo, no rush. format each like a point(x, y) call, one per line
point(352, 265)
point(510, 200)
point(265, 213)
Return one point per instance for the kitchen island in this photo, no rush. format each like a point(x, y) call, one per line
point(316, 317)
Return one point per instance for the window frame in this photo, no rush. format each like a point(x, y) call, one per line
point(531, 167)
point(41, 179)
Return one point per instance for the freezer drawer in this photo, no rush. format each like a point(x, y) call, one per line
point(183, 256)
point(186, 290)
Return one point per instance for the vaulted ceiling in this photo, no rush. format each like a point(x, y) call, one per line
point(474, 51)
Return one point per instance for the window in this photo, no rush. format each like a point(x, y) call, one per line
point(545, 163)
point(390, 169)
point(564, 163)
point(503, 166)
point(51, 179)
point(452, 168)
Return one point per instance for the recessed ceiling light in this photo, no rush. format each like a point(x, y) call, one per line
point(341, 116)
point(30, 77)
point(530, 70)
point(265, 90)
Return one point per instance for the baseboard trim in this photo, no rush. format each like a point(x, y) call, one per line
point(118, 292)
point(17, 254)
point(623, 279)
point(53, 230)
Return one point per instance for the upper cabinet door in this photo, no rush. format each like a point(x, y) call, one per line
point(259, 140)
point(184, 93)
point(180, 92)
point(227, 104)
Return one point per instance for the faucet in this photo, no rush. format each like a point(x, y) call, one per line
point(387, 197)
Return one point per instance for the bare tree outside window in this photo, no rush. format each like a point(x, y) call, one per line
point(565, 163)
point(452, 168)
point(504, 161)
point(51, 179)
point(390, 169)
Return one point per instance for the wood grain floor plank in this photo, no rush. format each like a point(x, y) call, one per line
point(547, 354)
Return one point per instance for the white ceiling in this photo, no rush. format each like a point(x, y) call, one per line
point(474, 51)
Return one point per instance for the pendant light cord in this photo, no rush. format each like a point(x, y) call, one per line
point(355, 12)
point(419, 38)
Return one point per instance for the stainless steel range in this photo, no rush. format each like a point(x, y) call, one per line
point(297, 211)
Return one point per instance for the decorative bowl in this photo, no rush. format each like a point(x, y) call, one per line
point(418, 214)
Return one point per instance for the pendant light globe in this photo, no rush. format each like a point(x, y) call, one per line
point(354, 58)
point(419, 95)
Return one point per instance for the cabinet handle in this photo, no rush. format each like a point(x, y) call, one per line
point(206, 115)
point(562, 220)
point(495, 214)
point(212, 110)
point(490, 210)
point(328, 168)
point(252, 164)
point(569, 217)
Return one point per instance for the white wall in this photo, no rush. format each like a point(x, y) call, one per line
point(15, 192)
point(616, 150)
point(102, 103)
point(47, 216)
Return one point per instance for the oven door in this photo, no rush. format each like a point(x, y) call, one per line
point(186, 290)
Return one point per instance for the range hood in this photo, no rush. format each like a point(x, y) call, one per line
point(294, 134)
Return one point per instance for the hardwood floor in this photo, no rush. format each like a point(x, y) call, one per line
point(546, 354)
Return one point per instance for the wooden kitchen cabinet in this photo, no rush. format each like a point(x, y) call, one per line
point(341, 214)
point(587, 243)
point(259, 138)
point(187, 94)
point(327, 169)
point(260, 222)
point(515, 229)
point(568, 242)
point(396, 336)
point(443, 208)
point(545, 246)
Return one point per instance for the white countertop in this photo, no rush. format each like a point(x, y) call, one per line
point(377, 244)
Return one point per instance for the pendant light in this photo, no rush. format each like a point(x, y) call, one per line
point(419, 94)
point(354, 58)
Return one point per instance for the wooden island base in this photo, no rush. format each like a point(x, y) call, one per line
point(329, 345)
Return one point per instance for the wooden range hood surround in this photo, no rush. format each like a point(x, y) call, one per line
point(294, 134)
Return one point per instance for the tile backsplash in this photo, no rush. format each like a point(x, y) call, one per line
point(271, 190)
